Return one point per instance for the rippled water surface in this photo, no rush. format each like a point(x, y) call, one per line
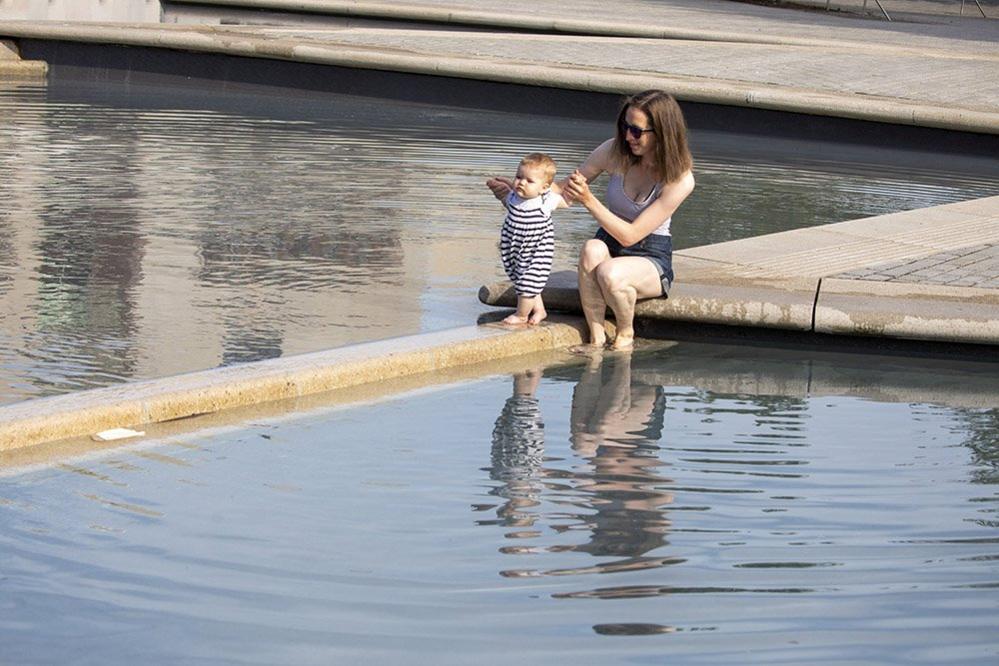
point(685, 504)
point(150, 231)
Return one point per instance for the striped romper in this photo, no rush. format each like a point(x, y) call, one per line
point(527, 241)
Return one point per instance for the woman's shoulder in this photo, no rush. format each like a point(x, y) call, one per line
point(607, 152)
point(684, 182)
point(605, 158)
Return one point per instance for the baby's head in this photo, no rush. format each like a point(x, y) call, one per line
point(534, 175)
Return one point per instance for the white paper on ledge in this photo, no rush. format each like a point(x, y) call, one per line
point(117, 433)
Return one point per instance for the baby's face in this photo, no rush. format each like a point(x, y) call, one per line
point(530, 182)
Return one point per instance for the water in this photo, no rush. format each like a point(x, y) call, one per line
point(684, 504)
point(150, 231)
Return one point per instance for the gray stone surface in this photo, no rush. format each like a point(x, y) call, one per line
point(950, 313)
point(936, 288)
point(972, 266)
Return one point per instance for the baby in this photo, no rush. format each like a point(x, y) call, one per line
point(527, 240)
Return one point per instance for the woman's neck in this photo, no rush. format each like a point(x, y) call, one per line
point(646, 167)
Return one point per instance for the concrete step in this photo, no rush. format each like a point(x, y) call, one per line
point(23, 70)
point(13, 68)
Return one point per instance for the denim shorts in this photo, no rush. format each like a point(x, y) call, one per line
point(655, 247)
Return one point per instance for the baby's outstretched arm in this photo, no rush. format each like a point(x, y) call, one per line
point(560, 189)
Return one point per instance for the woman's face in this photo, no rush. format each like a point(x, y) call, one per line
point(637, 122)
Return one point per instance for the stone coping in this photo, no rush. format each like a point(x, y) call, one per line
point(13, 68)
point(741, 370)
point(137, 404)
point(23, 70)
point(249, 42)
point(789, 280)
point(543, 20)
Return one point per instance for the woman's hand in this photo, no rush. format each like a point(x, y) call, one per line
point(575, 188)
point(501, 186)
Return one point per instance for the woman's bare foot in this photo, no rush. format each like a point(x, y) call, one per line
point(537, 316)
point(515, 320)
point(598, 336)
point(623, 343)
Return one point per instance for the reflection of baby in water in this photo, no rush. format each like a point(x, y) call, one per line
point(518, 449)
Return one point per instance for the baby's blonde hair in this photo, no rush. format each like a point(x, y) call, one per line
point(540, 161)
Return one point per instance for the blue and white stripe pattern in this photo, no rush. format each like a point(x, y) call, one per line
point(527, 241)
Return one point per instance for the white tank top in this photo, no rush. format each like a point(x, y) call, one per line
point(619, 203)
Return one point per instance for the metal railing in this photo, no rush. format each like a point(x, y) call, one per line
point(887, 16)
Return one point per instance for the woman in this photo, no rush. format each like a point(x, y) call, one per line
point(631, 256)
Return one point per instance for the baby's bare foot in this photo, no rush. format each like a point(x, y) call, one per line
point(515, 320)
point(537, 317)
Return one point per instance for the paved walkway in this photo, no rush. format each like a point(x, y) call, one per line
point(971, 266)
point(945, 62)
point(941, 72)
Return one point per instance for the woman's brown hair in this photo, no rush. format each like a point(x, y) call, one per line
point(672, 156)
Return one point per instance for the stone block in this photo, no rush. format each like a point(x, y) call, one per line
point(9, 50)
point(909, 311)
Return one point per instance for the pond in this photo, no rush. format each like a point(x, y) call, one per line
point(148, 231)
point(684, 503)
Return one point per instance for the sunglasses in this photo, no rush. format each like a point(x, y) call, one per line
point(635, 131)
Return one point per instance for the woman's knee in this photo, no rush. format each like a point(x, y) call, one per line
point(593, 254)
point(610, 277)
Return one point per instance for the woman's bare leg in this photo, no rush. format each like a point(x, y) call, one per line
point(624, 280)
point(593, 254)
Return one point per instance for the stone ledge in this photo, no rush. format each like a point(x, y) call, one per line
point(154, 401)
point(702, 295)
point(9, 50)
point(909, 311)
point(23, 69)
point(712, 91)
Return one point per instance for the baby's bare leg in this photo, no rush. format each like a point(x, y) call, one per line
point(538, 313)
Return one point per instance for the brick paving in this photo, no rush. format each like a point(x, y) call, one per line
point(972, 266)
point(900, 9)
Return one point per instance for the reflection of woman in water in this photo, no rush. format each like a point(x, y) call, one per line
point(518, 448)
point(616, 426)
point(612, 494)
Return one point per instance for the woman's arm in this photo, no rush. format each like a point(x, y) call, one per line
point(500, 186)
point(627, 234)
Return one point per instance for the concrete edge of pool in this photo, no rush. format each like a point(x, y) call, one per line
point(243, 43)
point(809, 280)
point(136, 404)
point(12, 67)
point(457, 17)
